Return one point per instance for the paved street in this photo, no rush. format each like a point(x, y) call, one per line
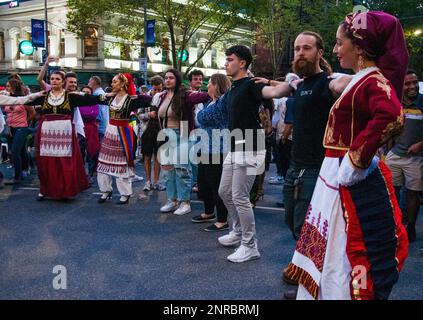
point(135, 252)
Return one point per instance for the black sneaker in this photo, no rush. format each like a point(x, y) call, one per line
point(213, 228)
point(201, 219)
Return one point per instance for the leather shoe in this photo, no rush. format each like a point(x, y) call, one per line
point(290, 295)
point(280, 204)
point(287, 279)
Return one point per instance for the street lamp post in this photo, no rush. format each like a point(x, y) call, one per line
point(46, 28)
point(145, 39)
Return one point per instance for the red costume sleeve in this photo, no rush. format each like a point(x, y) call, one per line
point(377, 102)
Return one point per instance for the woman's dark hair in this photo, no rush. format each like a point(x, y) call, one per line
point(178, 94)
point(15, 76)
point(60, 73)
point(349, 34)
point(17, 87)
point(87, 87)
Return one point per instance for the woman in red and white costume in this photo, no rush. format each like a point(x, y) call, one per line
point(59, 161)
point(353, 244)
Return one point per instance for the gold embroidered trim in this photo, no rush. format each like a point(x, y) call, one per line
point(65, 105)
point(355, 157)
point(393, 129)
point(304, 278)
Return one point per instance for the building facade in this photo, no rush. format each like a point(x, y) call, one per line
point(97, 52)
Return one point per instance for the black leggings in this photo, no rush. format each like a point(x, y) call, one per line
point(208, 190)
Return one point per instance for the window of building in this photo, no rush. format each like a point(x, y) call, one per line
point(62, 44)
point(2, 49)
point(91, 42)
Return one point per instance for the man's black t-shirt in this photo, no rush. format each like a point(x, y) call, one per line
point(243, 102)
point(312, 103)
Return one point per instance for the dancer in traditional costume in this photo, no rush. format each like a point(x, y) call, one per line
point(117, 150)
point(59, 161)
point(353, 244)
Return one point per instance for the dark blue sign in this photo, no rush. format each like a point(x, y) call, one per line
point(44, 56)
point(151, 30)
point(37, 27)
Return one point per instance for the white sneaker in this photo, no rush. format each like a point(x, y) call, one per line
point(230, 240)
point(169, 206)
point(137, 179)
point(147, 186)
point(184, 208)
point(276, 180)
point(243, 254)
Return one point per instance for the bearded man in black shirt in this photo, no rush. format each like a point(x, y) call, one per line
point(312, 102)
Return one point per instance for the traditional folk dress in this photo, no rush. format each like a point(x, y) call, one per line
point(118, 146)
point(59, 161)
point(353, 244)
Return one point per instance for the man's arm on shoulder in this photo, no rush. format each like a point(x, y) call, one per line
point(338, 85)
point(283, 89)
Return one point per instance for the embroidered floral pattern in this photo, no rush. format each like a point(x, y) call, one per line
point(312, 245)
point(112, 159)
point(385, 87)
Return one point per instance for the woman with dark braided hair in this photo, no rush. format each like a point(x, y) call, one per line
point(353, 244)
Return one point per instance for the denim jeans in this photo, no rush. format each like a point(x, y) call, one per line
point(178, 179)
point(19, 154)
point(296, 209)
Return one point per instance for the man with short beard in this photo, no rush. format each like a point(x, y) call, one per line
point(405, 160)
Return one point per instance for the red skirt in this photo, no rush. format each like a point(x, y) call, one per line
point(60, 176)
point(91, 133)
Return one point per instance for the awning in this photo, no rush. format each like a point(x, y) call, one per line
point(28, 79)
point(83, 77)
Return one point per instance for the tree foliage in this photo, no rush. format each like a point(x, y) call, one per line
point(280, 21)
point(181, 21)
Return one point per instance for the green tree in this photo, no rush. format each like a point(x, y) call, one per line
point(280, 21)
point(124, 19)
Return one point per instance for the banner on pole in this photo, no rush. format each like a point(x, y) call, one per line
point(151, 30)
point(37, 27)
